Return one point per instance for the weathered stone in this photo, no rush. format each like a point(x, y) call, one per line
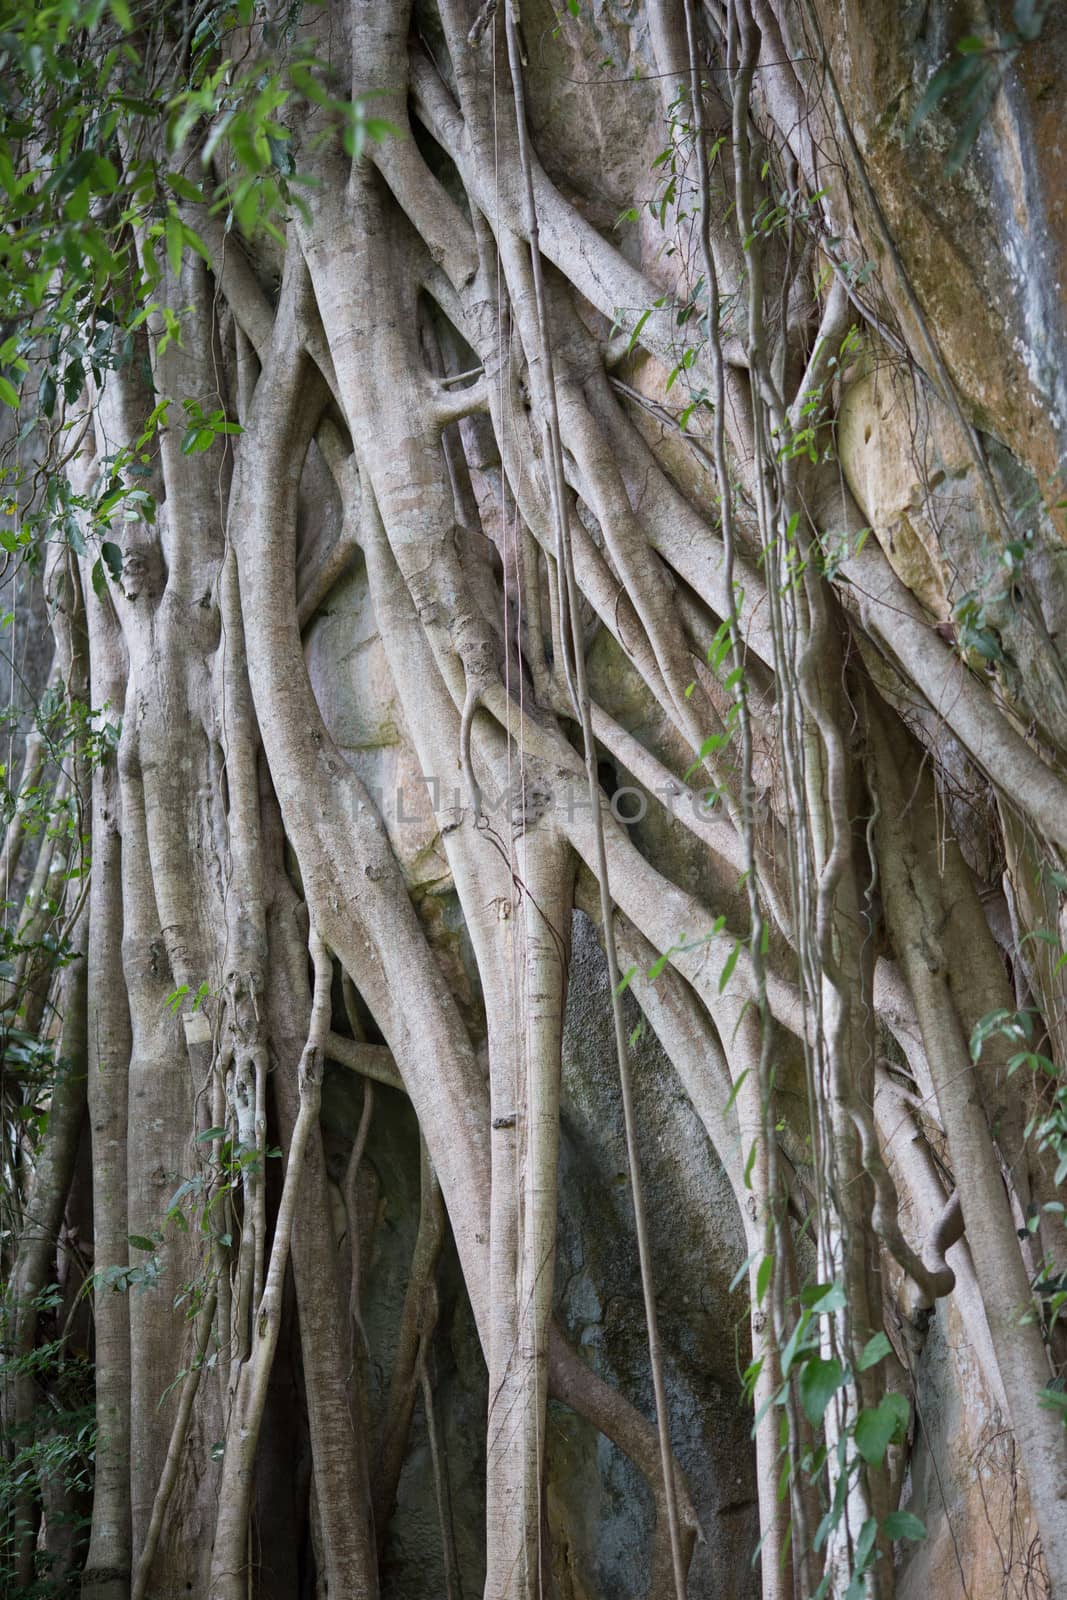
point(908, 465)
point(355, 692)
point(963, 1482)
point(983, 250)
point(697, 1247)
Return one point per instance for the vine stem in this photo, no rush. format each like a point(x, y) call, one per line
point(227, 1577)
point(767, 1177)
point(179, 1434)
point(581, 691)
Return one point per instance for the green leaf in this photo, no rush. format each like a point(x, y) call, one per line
point(73, 534)
point(1012, 1025)
point(819, 1382)
point(974, 107)
point(1054, 1399)
point(209, 1134)
point(139, 1241)
point(793, 1343)
point(197, 440)
point(902, 1525)
point(864, 1546)
point(874, 1350)
point(379, 128)
point(822, 1298)
point(189, 1186)
point(99, 581)
point(175, 240)
point(194, 241)
point(731, 963)
point(735, 1091)
point(658, 965)
point(775, 1399)
point(763, 1277)
point(952, 76)
point(861, 1560)
point(742, 1270)
point(281, 154)
point(113, 560)
point(121, 13)
point(642, 319)
point(73, 379)
point(183, 187)
point(1029, 17)
point(9, 394)
point(876, 1428)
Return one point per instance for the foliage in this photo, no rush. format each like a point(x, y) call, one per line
point(54, 1454)
point(966, 85)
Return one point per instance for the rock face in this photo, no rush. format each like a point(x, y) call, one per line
point(984, 249)
point(964, 1484)
point(354, 688)
point(599, 1509)
point(698, 1247)
point(982, 252)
